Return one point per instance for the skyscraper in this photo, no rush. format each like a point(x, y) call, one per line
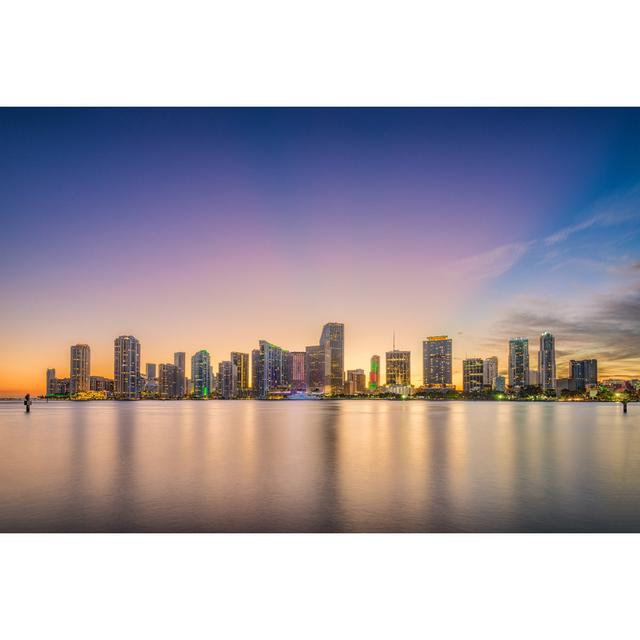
point(179, 358)
point(80, 369)
point(168, 381)
point(472, 374)
point(126, 368)
point(374, 374)
point(436, 361)
point(51, 382)
point(519, 362)
point(295, 377)
point(151, 371)
point(201, 374)
point(241, 362)
point(584, 373)
point(356, 382)
point(332, 337)
point(317, 368)
point(228, 377)
point(269, 361)
point(490, 371)
point(547, 362)
point(398, 365)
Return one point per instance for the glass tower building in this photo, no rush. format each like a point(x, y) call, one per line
point(519, 362)
point(547, 362)
point(80, 368)
point(201, 374)
point(332, 338)
point(436, 361)
point(398, 365)
point(126, 368)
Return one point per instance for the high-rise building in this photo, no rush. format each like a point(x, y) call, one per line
point(317, 369)
point(436, 361)
point(499, 384)
point(126, 368)
point(374, 374)
point(51, 382)
point(584, 373)
point(294, 370)
point(201, 374)
point(80, 369)
point(490, 371)
point(151, 371)
point(241, 362)
point(168, 381)
point(332, 337)
point(547, 362)
point(228, 380)
point(179, 360)
point(356, 382)
point(472, 374)
point(519, 362)
point(269, 362)
point(398, 366)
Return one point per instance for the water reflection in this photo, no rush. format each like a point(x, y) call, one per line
point(319, 466)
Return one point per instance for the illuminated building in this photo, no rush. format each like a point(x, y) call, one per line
point(356, 382)
point(51, 382)
point(179, 358)
point(547, 362)
point(168, 381)
point(472, 374)
point(241, 362)
point(398, 365)
point(269, 374)
point(126, 368)
point(584, 373)
point(295, 377)
point(332, 338)
point(490, 371)
point(201, 374)
point(228, 380)
point(79, 370)
point(317, 369)
point(151, 371)
point(436, 361)
point(499, 384)
point(374, 374)
point(519, 362)
point(100, 383)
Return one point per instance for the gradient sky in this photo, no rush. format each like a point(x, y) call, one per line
point(213, 228)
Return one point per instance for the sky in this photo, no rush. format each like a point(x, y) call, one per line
point(214, 228)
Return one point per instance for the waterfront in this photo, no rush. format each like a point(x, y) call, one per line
point(319, 466)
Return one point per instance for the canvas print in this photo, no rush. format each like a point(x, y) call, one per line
point(320, 320)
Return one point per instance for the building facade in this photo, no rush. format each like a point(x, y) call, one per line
point(80, 368)
point(584, 373)
point(356, 382)
point(519, 362)
point(241, 362)
point(490, 371)
point(295, 376)
point(374, 374)
point(547, 362)
point(168, 381)
point(398, 367)
point(317, 369)
point(126, 368)
point(332, 338)
point(269, 363)
point(472, 375)
point(179, 361)
point(437, 357)
point(100, 383)
point(228, 380)
point(51, 382)
point(201, 377)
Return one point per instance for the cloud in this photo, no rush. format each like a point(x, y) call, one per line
point(491, 264)
point(606, 328)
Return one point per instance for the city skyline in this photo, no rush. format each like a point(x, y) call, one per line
point(480, 224)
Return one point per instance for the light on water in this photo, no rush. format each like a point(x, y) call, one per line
point(319, 466)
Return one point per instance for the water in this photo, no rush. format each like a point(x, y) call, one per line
point(319, 466)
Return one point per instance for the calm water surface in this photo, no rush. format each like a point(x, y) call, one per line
point(319, 466)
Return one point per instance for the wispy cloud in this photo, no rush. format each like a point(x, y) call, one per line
point(493, 263)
